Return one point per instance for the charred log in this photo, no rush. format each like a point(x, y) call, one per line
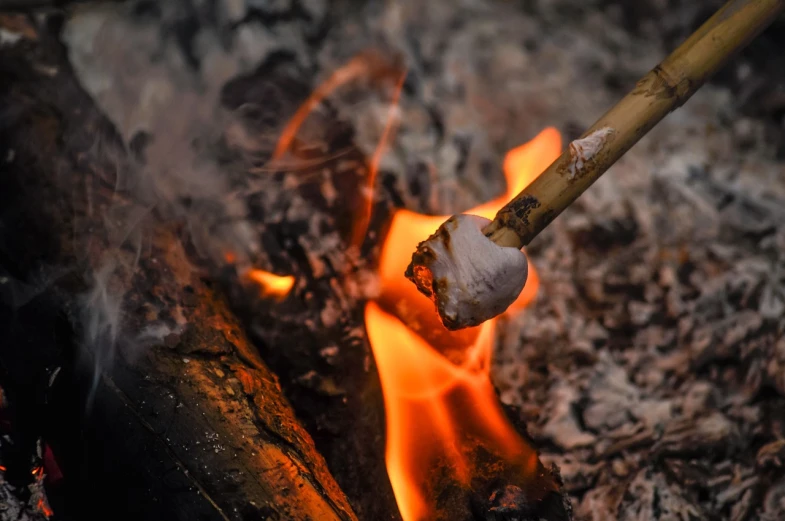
point(189, 423)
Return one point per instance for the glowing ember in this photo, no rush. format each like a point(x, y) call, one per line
point(44, 507)
point(272, 286)
point(445, 428)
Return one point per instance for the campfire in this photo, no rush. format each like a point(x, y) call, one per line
point(445, 428)
point(221, 210)
point(442, 412)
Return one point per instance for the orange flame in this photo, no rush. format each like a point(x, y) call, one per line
point(442, 414)
point(365, 65)
point(271, 285)
point(445, 426)
point(361, 225)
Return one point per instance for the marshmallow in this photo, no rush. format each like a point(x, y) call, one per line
point(470, 278)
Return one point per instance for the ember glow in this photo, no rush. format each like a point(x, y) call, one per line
point(272, 286)
point(43, 507)
point(41, 504)
point(445, 427)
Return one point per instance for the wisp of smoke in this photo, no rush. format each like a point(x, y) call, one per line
point(101, 315)
point(165, 110)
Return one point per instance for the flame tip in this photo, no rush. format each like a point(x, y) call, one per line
point(271, 285)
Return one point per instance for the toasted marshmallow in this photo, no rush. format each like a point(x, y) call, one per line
point(470, 278)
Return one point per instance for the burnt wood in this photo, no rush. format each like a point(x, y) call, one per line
point(187, 425)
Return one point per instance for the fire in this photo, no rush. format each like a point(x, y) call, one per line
point(272, 286)
point(364, 217)
point(445, 426)
point(368, 65)
point(446, 432)
point(365, 65)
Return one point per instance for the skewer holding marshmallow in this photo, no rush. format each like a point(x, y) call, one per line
point(473, 269)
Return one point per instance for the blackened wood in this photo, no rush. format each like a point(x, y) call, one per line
point(193, 427)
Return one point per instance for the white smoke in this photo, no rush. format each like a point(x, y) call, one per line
point(167, 110)
point(101, 315)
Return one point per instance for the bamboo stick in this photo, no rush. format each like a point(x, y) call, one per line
point(663, 89)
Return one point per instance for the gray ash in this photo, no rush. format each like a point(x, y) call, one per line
point(650, 369)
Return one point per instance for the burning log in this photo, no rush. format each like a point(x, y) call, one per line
point(451, 452)
point(470, 291)
point(195, 422)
